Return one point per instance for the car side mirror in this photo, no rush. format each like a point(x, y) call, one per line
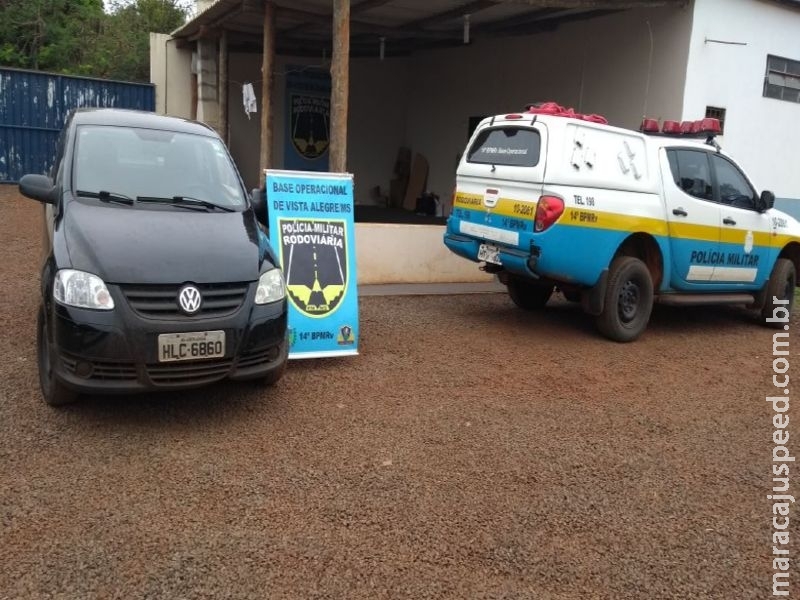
point(766, 201)
point(38, 187)
point(258, 200)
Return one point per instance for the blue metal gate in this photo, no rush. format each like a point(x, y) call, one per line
point(34, 105)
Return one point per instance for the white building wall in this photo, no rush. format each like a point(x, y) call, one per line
point(601, 65)
point(171, 72)
point(761, 133)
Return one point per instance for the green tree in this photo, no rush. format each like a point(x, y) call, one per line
point(122, 50)
point(78, 37)
point(50, 35)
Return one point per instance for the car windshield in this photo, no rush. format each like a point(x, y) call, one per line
point(137, 162)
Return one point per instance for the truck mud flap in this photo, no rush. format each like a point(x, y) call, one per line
point(593, 300)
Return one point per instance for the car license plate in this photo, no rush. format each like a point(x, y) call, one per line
point(489, 253)
point(197, 345)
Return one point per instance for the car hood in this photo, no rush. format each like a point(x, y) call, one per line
point(124, 244)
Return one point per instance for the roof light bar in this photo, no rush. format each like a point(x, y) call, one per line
point(650, 126)
point(671, 128)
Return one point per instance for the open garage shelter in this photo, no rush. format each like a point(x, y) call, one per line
point(390, 91)
point(403, 82)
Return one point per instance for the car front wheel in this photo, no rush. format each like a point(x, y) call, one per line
point(53, 391)
point(780, 294)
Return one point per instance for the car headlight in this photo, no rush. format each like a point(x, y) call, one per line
point(82, 290)
point(271, 287)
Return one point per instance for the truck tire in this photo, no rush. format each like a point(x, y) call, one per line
point(54, 392)
point(628, 300)
point(529, 295)
point(781, 285)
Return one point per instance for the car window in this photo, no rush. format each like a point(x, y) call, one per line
point(734, 189)
point(511, 146)
point(153, 162)
point(691, 172)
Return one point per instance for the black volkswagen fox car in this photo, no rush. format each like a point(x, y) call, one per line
point(157, 273)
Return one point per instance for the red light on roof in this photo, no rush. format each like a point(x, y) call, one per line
point(697, 127)
point(709, 125)
point(650, 125)
point(671, 128)
point(513, 116)
point(686, 127)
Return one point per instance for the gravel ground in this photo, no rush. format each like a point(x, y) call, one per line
point(470, 451)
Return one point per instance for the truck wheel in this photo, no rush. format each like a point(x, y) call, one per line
point(53, 391)
point(628, 300)
point(781, 285)
point(528, 295)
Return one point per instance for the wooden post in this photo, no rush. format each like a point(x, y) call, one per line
point(267, 78)
point(340, 84)
point(222, 86)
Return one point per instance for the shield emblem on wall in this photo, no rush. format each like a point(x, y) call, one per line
point(310, 118)
point(314, 258)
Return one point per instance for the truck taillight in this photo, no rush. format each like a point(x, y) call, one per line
point(548, 210)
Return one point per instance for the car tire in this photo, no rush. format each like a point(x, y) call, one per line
point(53, 391)
point(781, 285)
point(628, 300)
point(528, 295)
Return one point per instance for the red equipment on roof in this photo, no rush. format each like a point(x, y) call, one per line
point(671, 128)
point(556, 110)
point(650, 125)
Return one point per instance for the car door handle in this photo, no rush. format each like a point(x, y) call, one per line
point(679, 212)
point(728, 221)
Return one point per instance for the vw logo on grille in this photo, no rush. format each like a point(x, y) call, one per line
point(189, 299)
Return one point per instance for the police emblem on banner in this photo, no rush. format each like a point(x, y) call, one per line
point(314, 258)
point(310, 118)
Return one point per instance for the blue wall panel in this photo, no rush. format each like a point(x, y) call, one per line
point(34, 106)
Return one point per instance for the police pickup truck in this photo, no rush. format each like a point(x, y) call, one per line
point(618, 219)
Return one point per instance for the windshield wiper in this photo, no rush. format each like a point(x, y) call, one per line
point(106, 196)
point(185, 202)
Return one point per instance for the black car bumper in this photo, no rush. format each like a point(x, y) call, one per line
point(117, 351)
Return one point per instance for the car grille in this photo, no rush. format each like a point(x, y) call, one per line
point(161, 301)
point(189, 372)
point(101, 370)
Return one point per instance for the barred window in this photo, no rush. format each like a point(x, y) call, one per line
point(782, 80)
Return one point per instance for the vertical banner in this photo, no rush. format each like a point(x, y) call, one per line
point(311, 229)
point(308, 103)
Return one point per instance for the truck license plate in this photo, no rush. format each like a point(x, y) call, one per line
point(489, 253)
point(197, 345)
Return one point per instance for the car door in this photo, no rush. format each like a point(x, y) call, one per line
point(744, 231)
point(692, 216)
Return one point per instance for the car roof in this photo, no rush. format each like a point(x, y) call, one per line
point(136, 118)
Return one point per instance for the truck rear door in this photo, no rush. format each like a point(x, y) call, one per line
point(499, 180)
